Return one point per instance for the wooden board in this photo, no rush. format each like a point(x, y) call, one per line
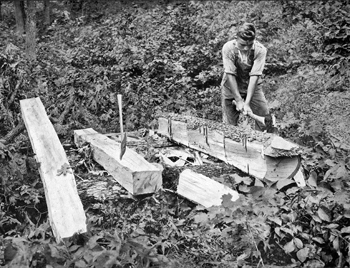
point(249, 159)
point(65, 209)
point(282, 167)
point(242, 151)
point(203, 190)
point(133, 172)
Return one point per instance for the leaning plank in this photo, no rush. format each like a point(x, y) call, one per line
point(133, 172)
point(65, 209)
point(244, 148)
point(203, 190)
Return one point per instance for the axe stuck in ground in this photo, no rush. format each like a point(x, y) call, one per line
point(122, 134)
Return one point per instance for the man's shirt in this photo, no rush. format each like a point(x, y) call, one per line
point(229, 56)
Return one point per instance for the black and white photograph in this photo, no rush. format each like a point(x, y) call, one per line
point(175, 133)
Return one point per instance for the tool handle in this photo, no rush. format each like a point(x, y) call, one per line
point(260, 119)
point(119, 96)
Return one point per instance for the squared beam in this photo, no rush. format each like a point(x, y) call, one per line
point(133, 172)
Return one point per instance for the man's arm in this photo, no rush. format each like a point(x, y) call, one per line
point(232, 85)
point(253, 82)
point(228, 58)
point(255, 73)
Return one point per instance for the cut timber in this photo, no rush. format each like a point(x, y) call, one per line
point(133, 172)
point(203, 190)
point(241, 147)
point(65, 209)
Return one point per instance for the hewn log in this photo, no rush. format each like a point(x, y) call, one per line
point(246, 149)
point(65, 209)
point(203, 190)
point(133, 172)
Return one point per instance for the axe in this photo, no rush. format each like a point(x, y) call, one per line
point(122, 134)
point(269, 121)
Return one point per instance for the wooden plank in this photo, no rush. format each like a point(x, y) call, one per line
point(163, 126)
point(203, 190)
point(281, 167)
point(241, 150)
point(133, 172)
point(179, 132)
point(248, 158)
point(65, 209)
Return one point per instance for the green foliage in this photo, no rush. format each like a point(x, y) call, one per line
point(309, 224)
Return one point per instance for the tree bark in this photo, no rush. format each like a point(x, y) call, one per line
point(20, 16)
point(31, 31)
point(47, 11)
point(0, 10)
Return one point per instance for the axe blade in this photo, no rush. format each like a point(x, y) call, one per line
point(122, 145)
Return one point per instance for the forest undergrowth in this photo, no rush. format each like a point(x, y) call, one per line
point(166, 57)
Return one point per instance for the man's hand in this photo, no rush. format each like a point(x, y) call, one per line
point(246, 109)
point(239, 105)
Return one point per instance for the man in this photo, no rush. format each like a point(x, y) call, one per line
point(243, 60)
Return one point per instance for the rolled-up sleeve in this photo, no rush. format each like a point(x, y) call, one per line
point(259, 62)
point(228, 59)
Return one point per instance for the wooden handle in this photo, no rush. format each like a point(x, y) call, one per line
point(258, 118)
point(119, 96)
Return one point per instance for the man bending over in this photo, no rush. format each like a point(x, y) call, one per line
point(243, 60)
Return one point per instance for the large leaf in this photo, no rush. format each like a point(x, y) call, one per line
point(312, 180)
point(289, 247)
point(336, 172)
point(302, 254)
point(345, 230)
point(201, 218)
point(314, 264)
point(227, 201)
point(318, 240)
point(298, 243)
point(276, 220)
point(323, 214)
point(336, 243)
point(238, 179)
point(314, 199)
point(332, 226)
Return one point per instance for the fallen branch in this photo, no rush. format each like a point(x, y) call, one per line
point(13, 133)
point(14, 93)
point(68, 107)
